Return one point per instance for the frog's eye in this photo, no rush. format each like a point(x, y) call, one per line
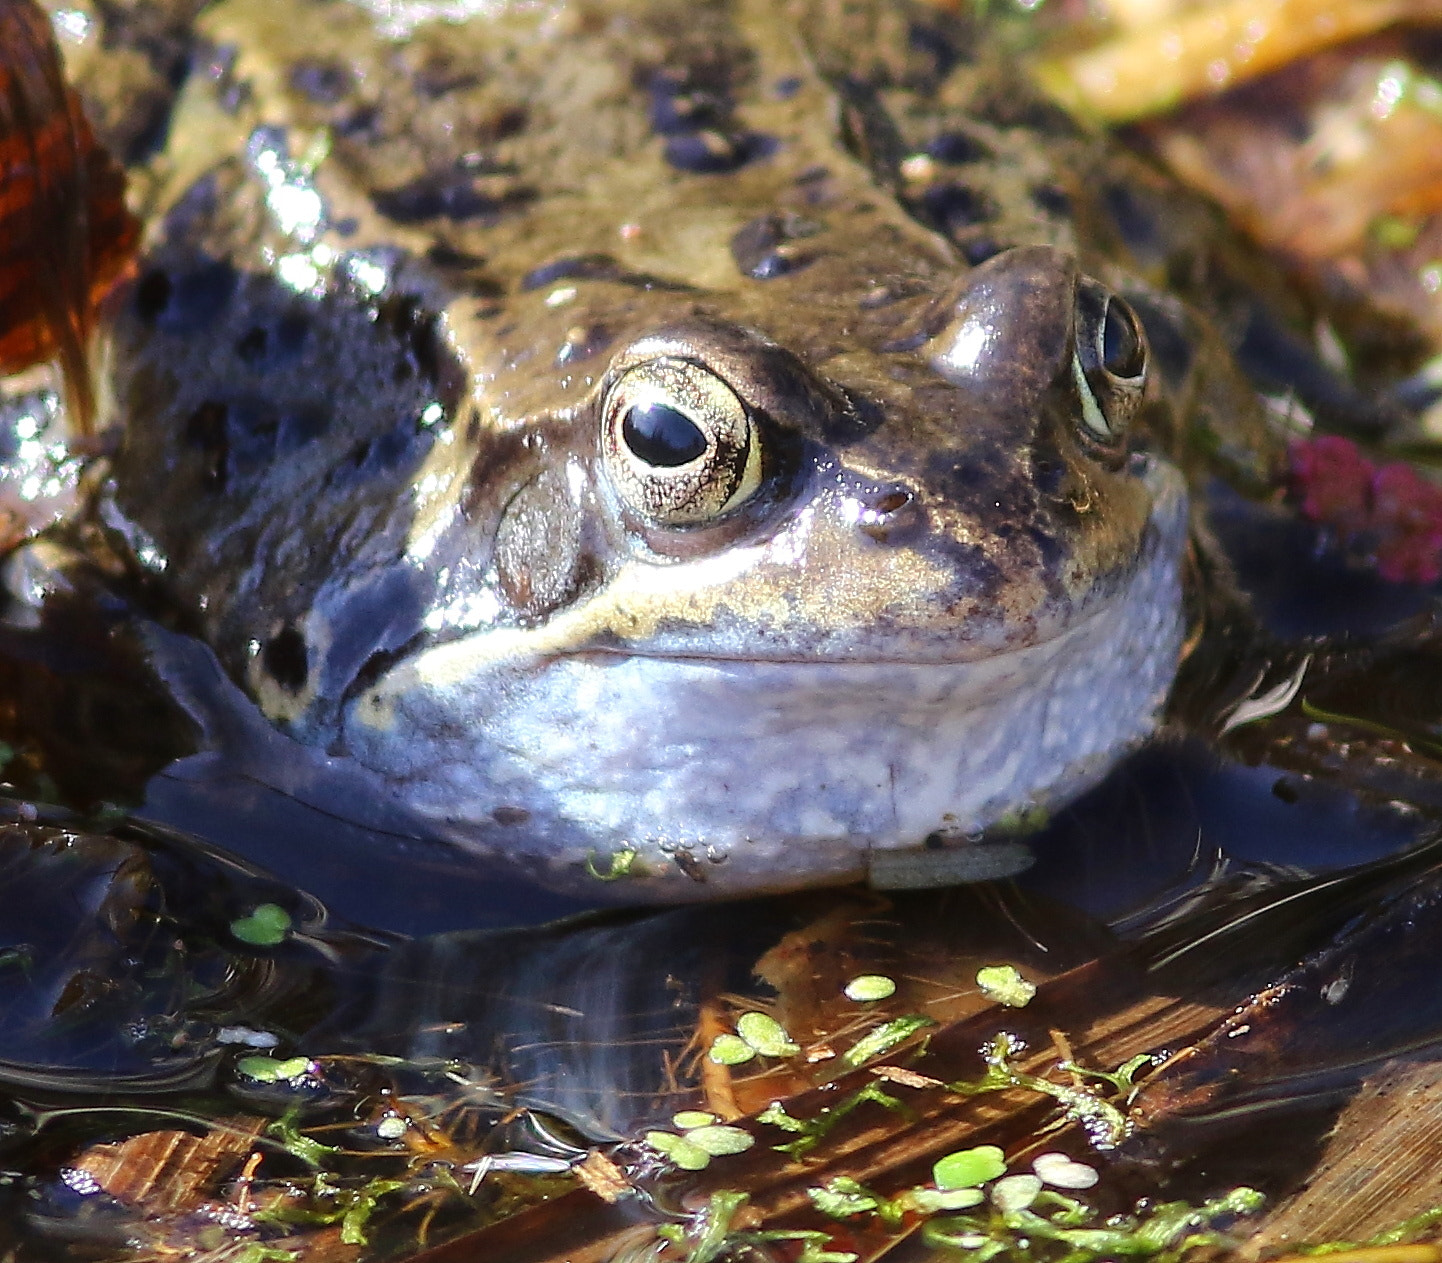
point(680, 445)
point(1109, 365)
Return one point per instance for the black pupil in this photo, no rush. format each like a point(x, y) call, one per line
point(662, 436)
point(1122, 354)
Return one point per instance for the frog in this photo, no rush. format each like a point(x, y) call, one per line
point(682, 450)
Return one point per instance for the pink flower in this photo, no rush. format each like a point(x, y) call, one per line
point(1390, 509)
point(1407, 518)
point(1334, 481)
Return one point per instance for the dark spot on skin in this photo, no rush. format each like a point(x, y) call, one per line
point(1012, 105)
point(510, 817)
point(766, 247)
point(1049, 548)
point(274, 345)
point(454, 193)
point(958, 148)
point(787, 88)
point(582, 342)
point(957, 473)
point(205, 430)
point(716, 152)
point(1048, 465)
point(861, 416)
point(868, 131)
point(935, 43)
point(588, 267)
point(380, 455)
point(252, 345)
point(230, 93)
point(678, 108)
point(1051, 200)
point(441, 73)
point(198, 298)
point(597, 267)
point(951, 206)
point(322, 80)
point(285, 659)
point(189, 302)
point(359, 124)
point(444, 255)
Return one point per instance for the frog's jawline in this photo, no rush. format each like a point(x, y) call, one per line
point(600, 755)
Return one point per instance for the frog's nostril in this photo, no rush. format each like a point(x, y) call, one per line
point(891, 516)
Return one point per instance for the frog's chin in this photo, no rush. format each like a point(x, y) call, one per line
point(691, 778)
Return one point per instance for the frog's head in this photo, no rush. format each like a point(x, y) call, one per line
point(771, 595)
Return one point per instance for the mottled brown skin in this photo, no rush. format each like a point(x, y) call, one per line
point(814, 201)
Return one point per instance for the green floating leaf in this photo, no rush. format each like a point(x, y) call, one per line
point(1002, 984)
point(841, 1197)
point(884, 1038)
point(766, 1035)
point(687, 1119)
point(730, 1050)
point(679, 1150)
point(718, 1139)
point(931, 1201)
point(270, 1070)
point(267, 925)
point(870, 987)
point(968, 1168)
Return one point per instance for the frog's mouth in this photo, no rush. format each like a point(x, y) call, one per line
point(1085, 620)
point(780, 773)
